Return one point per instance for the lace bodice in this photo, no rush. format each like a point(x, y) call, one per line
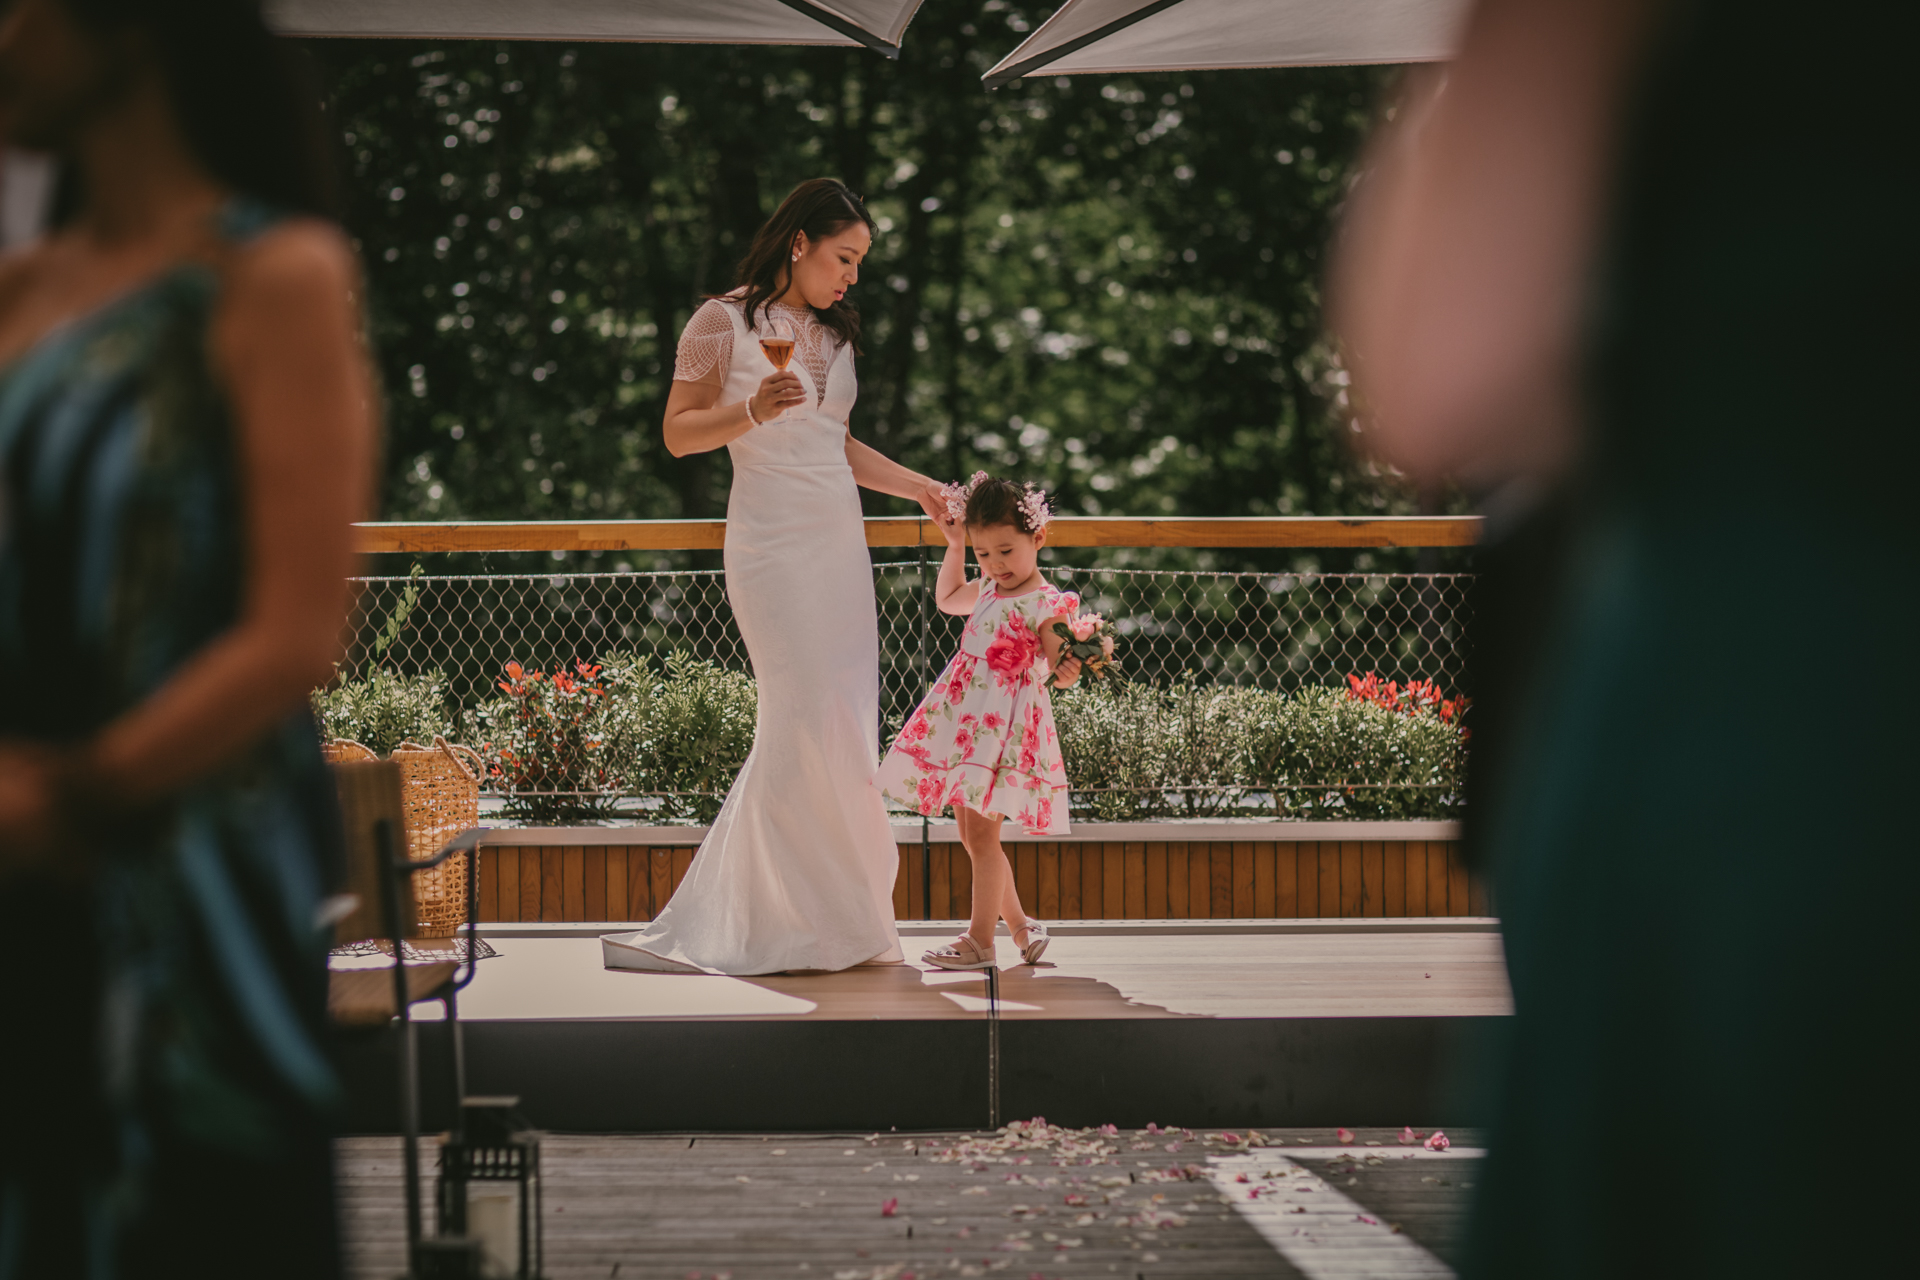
point(706, 344)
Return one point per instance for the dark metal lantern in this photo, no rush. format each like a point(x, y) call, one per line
point(489, 1189)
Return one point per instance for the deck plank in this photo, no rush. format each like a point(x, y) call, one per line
point(645, 1207)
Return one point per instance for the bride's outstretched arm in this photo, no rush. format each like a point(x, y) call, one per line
point(875, 470)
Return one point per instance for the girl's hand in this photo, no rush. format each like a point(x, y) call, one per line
point(1067, 672)
point(779, 391)
point(954, 531)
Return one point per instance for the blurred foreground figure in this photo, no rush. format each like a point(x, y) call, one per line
point(1658, 261)
point(184, 440)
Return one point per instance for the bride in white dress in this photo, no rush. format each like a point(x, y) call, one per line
point(798, 869)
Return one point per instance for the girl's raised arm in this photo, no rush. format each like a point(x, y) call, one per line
point(951, 590)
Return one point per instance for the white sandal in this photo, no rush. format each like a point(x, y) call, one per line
point(962, 953)
point(1036, 944)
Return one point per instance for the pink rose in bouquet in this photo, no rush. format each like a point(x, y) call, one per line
point(1086, 626)
point(1088, 637)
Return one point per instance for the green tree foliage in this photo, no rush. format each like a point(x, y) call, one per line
point(1108, 285)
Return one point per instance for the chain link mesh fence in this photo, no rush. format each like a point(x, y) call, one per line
point(1270, 630)
point(1179, 628)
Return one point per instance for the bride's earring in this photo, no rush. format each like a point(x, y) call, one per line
point(796, 257)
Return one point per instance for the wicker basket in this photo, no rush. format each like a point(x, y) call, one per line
point(443, 799)
point(442, 796)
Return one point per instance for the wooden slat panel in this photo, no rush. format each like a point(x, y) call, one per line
point(1329, 880)
point(1199, 881)
point(639, 896)
point(1459, 894)
point(1156, 897)
point(682, 859)
point(890, 531)
point(1352, 880)
point(942, 862)
point(1026, 874)
point(1133, 872)
point(1179, 896)
point(486, 865)
point(615, 886)
point(916, 886)
point(553, 888)
point(1416, 876)
point(960, 872)
point(1307, 877)
point(593, 899)
point(1286, 880)
point(1263, 894)
point(1373, 879)
point(1220, 882)
point(1242, 862)
point(1047, 903)
point(1113, 882)
point(900, 881)
point(659, 879)
point(507, 886)
point(1092, 864)
point(1393, 878)
point(530, 859)
point(1437, 903)
point(1071, 884)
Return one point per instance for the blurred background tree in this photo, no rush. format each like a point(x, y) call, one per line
point(1107, 285)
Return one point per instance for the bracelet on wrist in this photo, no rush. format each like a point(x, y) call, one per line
point(748, 404)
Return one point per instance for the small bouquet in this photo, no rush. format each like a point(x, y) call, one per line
point(1090, 638)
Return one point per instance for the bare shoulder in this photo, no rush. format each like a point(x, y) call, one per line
point(303, 260)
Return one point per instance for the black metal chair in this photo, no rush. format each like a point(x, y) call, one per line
point(379, 906)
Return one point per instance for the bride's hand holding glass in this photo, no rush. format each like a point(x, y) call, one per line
point(778, 392)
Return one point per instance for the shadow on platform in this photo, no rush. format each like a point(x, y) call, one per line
point(1216, 1032)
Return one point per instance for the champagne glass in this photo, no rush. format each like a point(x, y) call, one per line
point(777, 344)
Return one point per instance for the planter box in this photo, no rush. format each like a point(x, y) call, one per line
point(1102, 871)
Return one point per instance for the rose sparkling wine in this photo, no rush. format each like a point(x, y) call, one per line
point(778, 349)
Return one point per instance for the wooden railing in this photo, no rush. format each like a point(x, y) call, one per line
point(911, 531)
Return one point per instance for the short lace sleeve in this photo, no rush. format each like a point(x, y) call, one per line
point(706, 346)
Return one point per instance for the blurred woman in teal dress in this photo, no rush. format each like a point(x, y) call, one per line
point(1660, 257)
point(185, 438)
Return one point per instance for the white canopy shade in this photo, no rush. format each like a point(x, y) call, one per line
point(1113, 36)
point(878, 24)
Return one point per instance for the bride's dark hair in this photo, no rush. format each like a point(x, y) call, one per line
point(821, 207)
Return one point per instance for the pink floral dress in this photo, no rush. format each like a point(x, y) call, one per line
point(984, 736)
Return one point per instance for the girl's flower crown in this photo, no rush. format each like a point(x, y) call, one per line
point(1033, 505)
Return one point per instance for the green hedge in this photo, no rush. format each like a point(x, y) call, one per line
point(1137, 752)
point(1134, 752)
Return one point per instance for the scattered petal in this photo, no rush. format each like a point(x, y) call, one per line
point(1408, 1137)
point(1345, 1135)
point(889, 1206)
point(1438, 1142)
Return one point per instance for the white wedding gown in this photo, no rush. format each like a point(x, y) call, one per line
point(798, 869)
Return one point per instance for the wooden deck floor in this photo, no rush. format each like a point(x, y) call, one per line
point(810, 1206)
point(1084, 976)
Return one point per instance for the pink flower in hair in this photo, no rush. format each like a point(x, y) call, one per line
point(957, 495)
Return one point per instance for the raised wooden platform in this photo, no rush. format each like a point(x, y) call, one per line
point(1288, 1025)
point(1161, 871)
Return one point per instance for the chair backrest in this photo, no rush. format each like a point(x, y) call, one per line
point(371, 794)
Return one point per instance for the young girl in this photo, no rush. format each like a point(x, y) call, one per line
point(983, 740)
